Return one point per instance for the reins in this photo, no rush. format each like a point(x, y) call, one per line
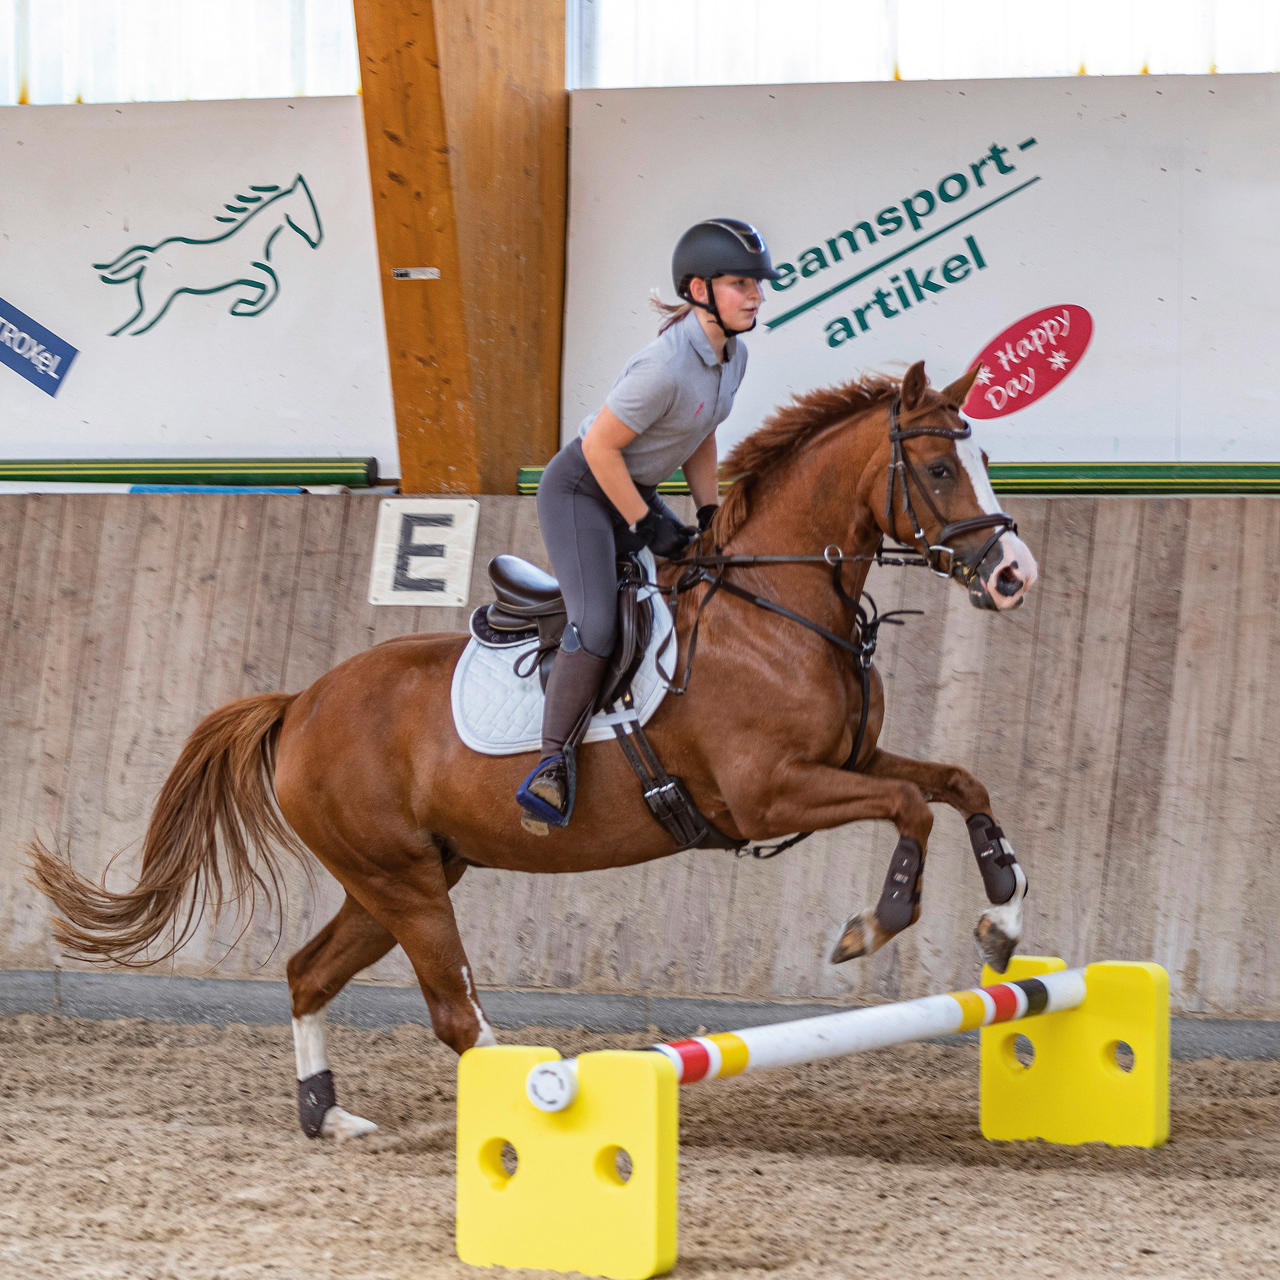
point(709, 569)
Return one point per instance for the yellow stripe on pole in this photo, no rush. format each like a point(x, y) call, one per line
point(734, 1053)
point(973, 1009)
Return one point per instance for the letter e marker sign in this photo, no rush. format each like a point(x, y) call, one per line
point(423, 551)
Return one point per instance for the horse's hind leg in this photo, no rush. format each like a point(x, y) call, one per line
point(999, 929)
point(351, 941)
point(413, 903)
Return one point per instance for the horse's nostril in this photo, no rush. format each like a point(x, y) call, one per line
point(1008, 583)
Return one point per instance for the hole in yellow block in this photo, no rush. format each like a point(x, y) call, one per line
point(613, 1165)
point(499, 1161)
point(1018, 1052)
point(1120, 1055)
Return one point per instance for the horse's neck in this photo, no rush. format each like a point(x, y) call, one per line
point(809, 506)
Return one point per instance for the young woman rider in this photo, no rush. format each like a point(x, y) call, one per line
point(661, 414)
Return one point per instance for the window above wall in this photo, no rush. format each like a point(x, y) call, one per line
point(57, 51)
point(635, 43)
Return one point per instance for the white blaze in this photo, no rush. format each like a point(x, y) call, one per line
point(1013, 551)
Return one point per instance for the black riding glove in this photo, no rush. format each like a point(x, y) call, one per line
point(663, 534)
point(706, 515)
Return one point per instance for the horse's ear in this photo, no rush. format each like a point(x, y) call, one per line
point(913, 386)
point(956, 393)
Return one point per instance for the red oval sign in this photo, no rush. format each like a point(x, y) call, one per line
point(1028, 360)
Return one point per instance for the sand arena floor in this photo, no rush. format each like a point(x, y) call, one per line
point(134, 1150)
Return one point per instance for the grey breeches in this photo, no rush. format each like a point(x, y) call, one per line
point(579, 525)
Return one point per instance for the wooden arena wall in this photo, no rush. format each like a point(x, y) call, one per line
point(1125, 722)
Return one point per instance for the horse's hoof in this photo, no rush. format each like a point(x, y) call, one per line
point(857, 938)
point(1000, 928)
point(341, 1125)
point(995, 947)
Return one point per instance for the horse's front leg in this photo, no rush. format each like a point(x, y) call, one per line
point(999, 929)
point(815, 797)
point(268, 288)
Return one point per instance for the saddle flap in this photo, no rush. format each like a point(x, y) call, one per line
point(635, 628)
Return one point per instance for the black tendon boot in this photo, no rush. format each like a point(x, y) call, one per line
point(546, 795)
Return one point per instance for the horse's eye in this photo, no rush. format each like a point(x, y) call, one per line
point(939, 470)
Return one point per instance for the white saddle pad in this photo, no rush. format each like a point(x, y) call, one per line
point(499, 713)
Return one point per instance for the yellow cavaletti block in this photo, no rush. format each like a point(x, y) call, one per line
point(566, 1208)
point(1074, 1090)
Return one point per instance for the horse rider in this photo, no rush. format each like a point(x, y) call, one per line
point(661, 413)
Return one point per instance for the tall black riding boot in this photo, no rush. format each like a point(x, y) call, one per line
point(546, 794)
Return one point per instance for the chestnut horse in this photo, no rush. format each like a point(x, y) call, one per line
point(369, 774)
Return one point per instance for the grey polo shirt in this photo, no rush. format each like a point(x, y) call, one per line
point(673, 394)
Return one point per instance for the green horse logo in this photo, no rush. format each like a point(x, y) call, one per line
point(241, 255)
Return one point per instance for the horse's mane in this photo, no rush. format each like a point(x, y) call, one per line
point(246, 205)
point(789, 429)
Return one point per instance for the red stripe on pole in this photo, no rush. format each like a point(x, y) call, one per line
point(1005, 999)
point(695, 1061)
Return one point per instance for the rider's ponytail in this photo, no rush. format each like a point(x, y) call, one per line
point(671, 312)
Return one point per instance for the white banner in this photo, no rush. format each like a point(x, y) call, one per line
point(210, 268)
point(952, 220)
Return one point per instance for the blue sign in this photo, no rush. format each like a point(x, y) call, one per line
point(31, 350)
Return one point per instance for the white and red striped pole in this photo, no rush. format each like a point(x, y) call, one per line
point(552, 1086)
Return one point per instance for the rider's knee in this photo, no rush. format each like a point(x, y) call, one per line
point(595, 638)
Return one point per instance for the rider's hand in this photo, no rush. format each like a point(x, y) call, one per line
point(663, 534)
point(706, 515)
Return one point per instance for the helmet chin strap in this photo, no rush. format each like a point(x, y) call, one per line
point(710, 306)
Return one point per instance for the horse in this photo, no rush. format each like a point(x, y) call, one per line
point(239, 256)
point(364, 770)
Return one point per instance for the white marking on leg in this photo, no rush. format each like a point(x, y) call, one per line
point(1008, 916)
point(309, 1054)
point(485, 1038)
point(308, 1044)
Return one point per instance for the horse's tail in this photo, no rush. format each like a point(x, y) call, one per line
point(219, 792)
point(128, 266)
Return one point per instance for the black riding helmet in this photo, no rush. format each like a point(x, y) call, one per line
point(719, 247)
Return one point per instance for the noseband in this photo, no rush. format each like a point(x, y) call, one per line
point(942, 558)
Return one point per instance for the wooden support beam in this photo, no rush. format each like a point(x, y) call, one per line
point(416, 227)
point(465, 117)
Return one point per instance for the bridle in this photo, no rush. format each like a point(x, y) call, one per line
point(940, 556)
